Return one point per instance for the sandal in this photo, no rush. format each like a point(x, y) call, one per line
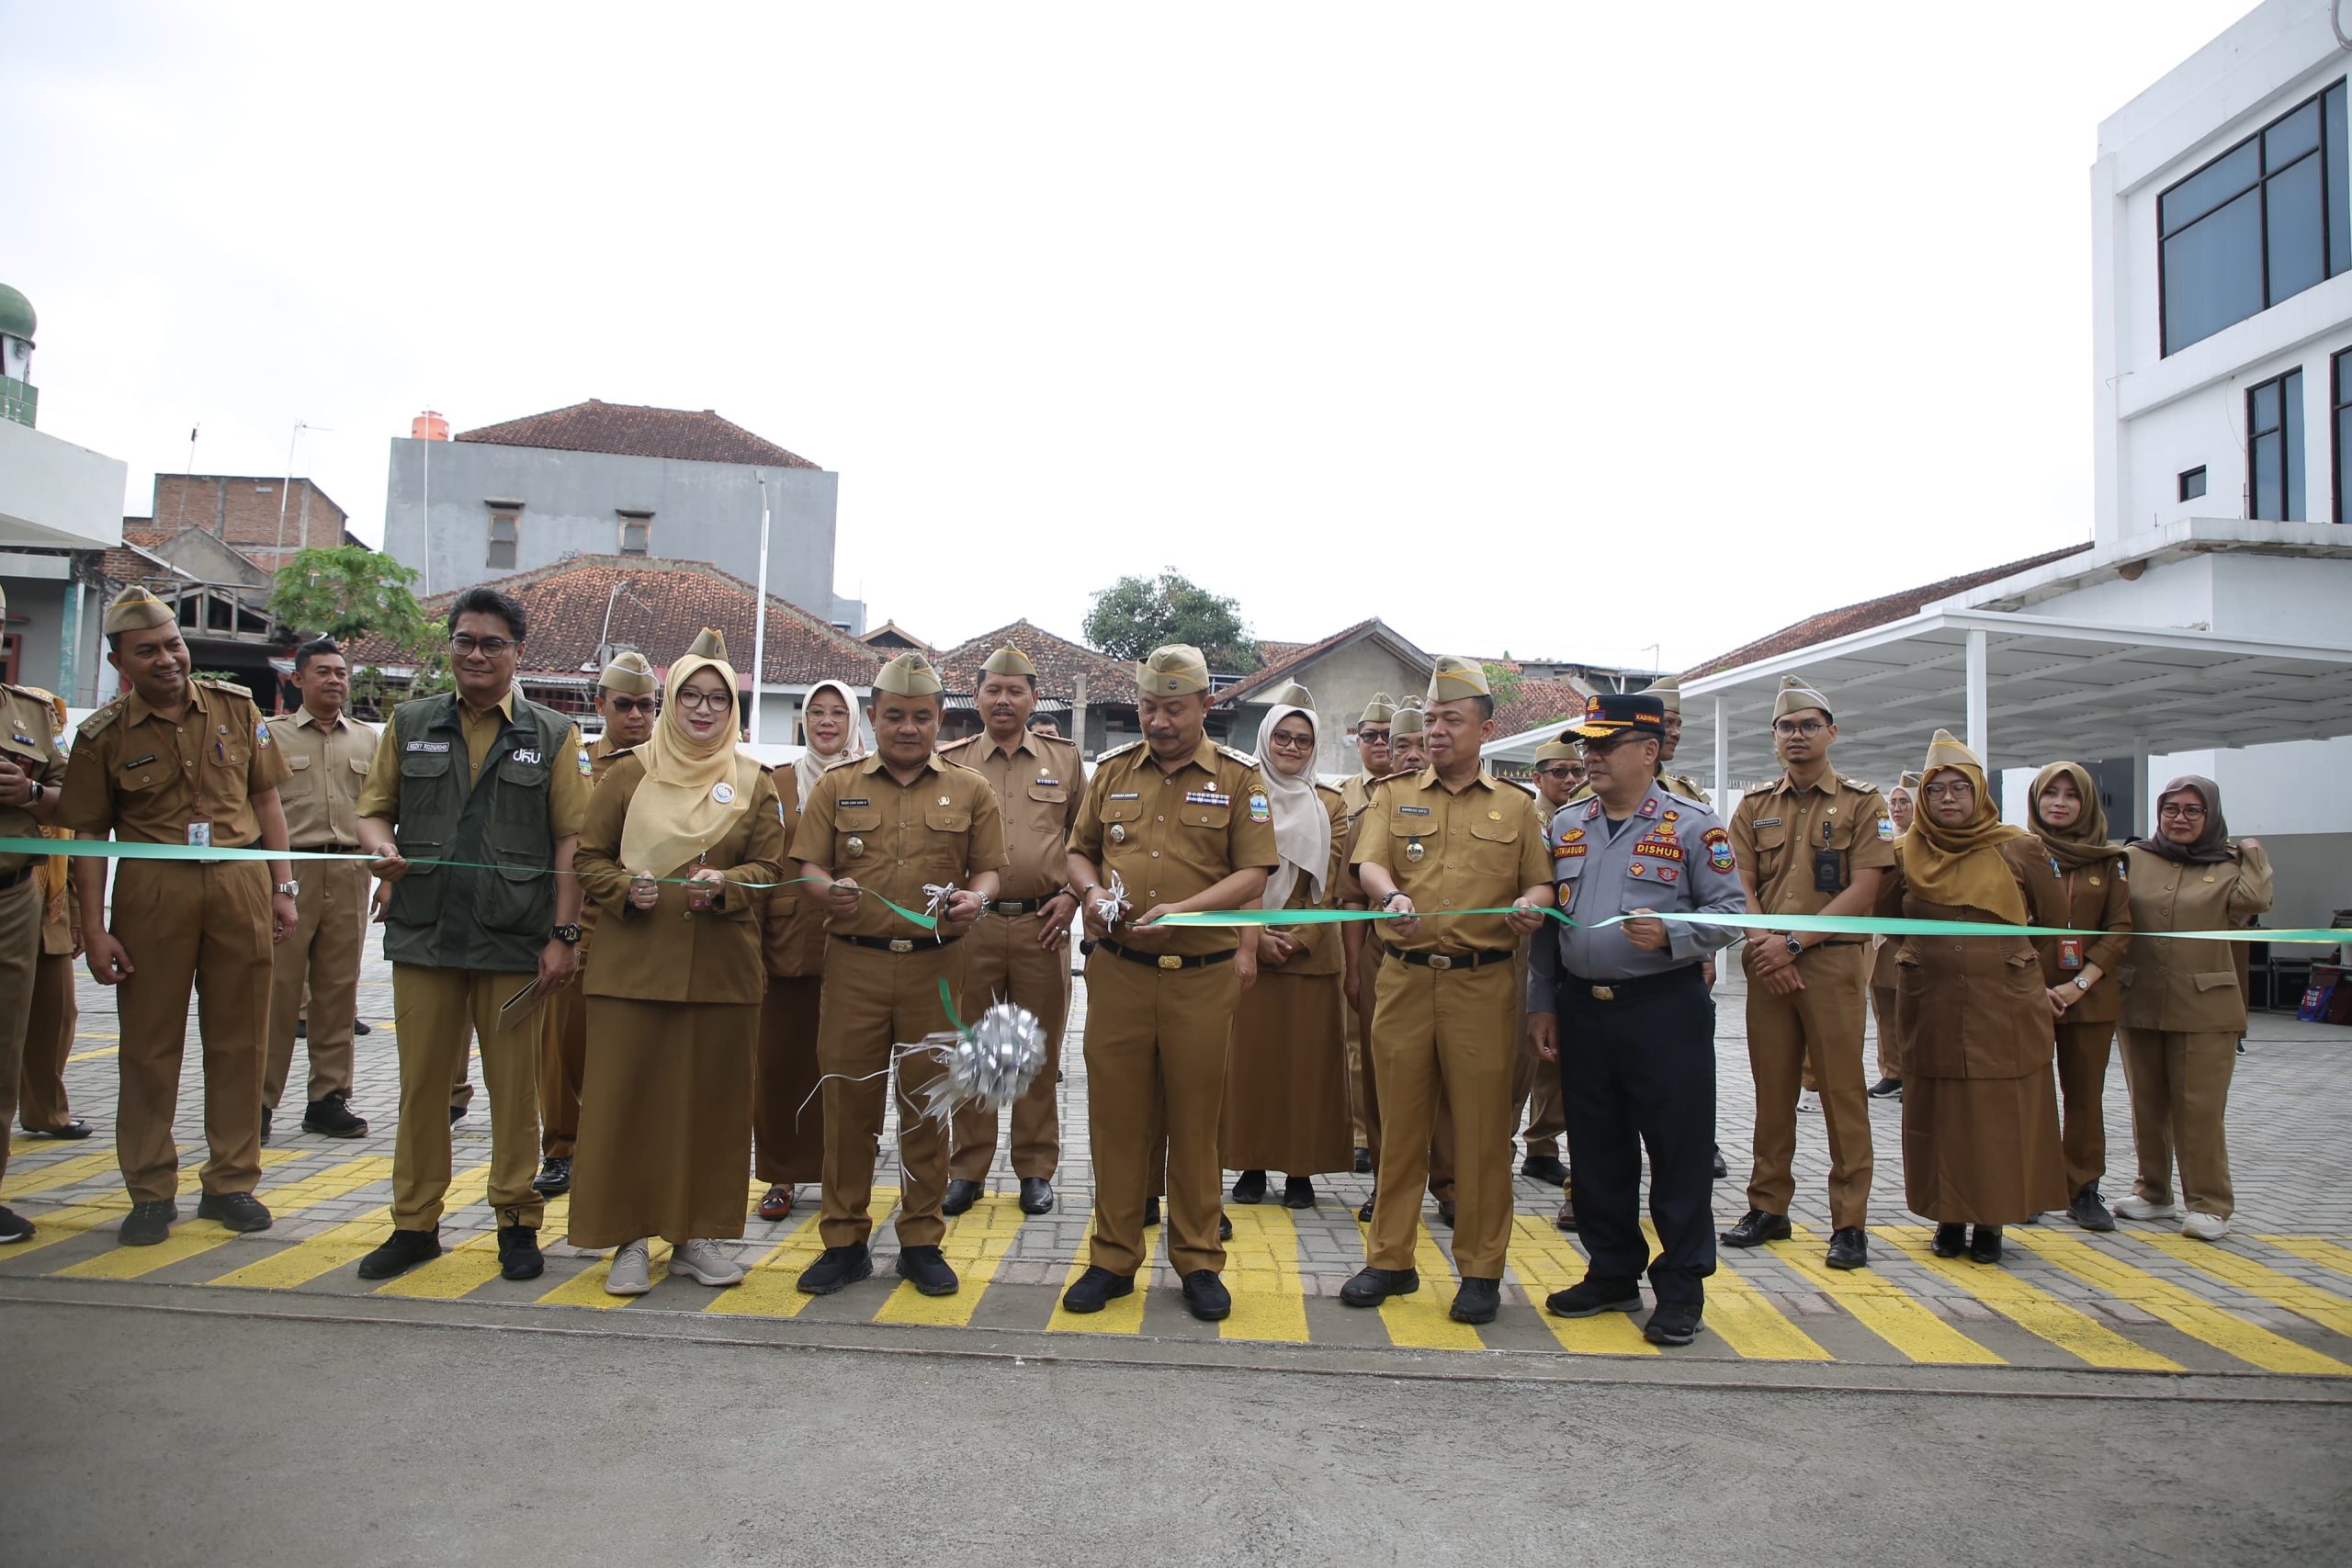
point(775, 1203)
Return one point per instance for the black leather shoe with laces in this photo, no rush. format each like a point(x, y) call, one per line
point(1848, 1248)
point(1477, 1301)
point(1373, 1286)
point(554, 1179)
point(1590, 1297)
point(332, 1118)
point(1754, 1228)
point(402, 1251)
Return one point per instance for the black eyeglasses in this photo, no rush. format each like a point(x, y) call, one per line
point(1292, 742)
point(2187, 813)
point(1798, 727)
point(1369, 734)
point(489, 646)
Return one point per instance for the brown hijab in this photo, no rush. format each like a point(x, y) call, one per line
point(2084, 844)
point(1960, 866)
point(2210, 848)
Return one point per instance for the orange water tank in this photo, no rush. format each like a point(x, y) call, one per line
point(428, 427)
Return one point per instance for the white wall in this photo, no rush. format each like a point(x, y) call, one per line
point(56, 495)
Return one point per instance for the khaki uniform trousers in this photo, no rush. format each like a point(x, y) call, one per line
point(434, 1009)
point(41, 1104)
point(1447, 1031)
point(2180, 1094)
point(1442, 1138)
point(1004, 962)
point(20, 913)
point(787, 1095)
point(323, 952)
point(1821, 1028)
point(2083, 1051)
point(206, 926)
point(563, 1056)
point(1156, 1044)
point(1351, 1026)
point(874, 1001)
point(1533, 1078)
point(1889, 1041)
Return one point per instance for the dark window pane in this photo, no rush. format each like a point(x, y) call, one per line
point(2291, 137)
point(2340, 377)
point(2208, 188)
point(2265, 478)
point(2192, 484)
point(2297, 258)
point(2262, 408)
point(2339, 169)
point(2343, 459)
point(2214, 273)
point(2290, 389)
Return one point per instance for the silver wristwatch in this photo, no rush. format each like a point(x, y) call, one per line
point(291, 889)
point(2082, 982)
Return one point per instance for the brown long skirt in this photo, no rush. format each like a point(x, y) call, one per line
point(1983, 1151)
point(1286, 1079)
point(665, 1122)
point(788, 1108)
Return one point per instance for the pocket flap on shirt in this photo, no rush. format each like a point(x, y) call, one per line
point(2214, 982)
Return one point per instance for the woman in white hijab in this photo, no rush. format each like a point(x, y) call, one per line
point(1286, 1073)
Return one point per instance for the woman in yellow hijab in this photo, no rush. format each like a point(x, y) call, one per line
point(684, 838)
point(1980, 1099)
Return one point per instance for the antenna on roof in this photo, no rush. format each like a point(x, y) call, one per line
point(760, 612)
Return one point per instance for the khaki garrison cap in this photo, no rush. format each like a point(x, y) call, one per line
point(136, 610)
point(1666, 689)
point(908, 675)
point(629, 672)
point(708, 643)
point(1561, 750)
point(1795, 696)
point(1380, 710)
point(1408, 720)
point(1947, 751)
point(1455, 678)
point(1009, 660)
point(1911, 781)
point(1291, 694)
point(1172, 670)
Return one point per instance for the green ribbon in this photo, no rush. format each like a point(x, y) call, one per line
point(1838, 925)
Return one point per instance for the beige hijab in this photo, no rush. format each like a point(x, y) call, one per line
point(2085, 843)
point(809, 767)
point(1302, 827)
point(1960, 866)
point(694, 790)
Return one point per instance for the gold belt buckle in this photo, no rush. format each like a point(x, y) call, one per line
point(1439, 961)
point(902, 944)
point(1171, 961)
point(1604, 993)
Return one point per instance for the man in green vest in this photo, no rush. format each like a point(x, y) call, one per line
point(472, 808)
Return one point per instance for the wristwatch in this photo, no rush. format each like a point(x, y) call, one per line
point(39, 789)
point(2082, 982)
point(568, 935)
point(1393, 896)
point(1796, 948)
point(291, 889)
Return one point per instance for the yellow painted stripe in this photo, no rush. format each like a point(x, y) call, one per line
point(2031, 1308)
point(1419, 1322)
point(769, 1288)
point(64, 1224)
point(2312, 1250)
point(1750, 1324)
point(92, 1054)
point(96, 1035)
point(1261, 1270)
point(974, 1246)
point(1544, 1262)
point(467, 1266)
point(2325, 1308)
point(24, 1181)
point(2191, 1313)
point(1882, 1307)
point(201, 1237)
point(343, 1244)
point(1124, 1315)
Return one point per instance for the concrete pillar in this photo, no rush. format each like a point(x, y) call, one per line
point(1978, 721)
point(1722, 749)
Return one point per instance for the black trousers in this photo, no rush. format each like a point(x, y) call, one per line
point(1641, 1070)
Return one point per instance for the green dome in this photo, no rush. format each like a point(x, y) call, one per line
point(16, 319)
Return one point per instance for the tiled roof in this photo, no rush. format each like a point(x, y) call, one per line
point(632, 429)
point(1831, 624)
point(1539, 700)
point(130, 563)
point(1305, 653)
point(890, 634)
point(1058, 660)
point(664, 604)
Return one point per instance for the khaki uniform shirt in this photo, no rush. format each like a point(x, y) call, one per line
point(859, 822)
point(792, 927)
point(569, 782)
point(327, 767)
point(29, 738)
point(1171, 835)
point(139, 775)
point(1479, 847)
point(601, 754)
point(1323, 955)
point(1776, 833)
point(2186, 988)
point(1039, 785)
point(2093, 898)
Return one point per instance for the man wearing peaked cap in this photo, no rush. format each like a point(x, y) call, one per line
point(1815, 842)
point(31, 771)
point(175, 760)
point(1019, 954)
point(626, 699)
point(895, 824)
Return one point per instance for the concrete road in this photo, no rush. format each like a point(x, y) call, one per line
point(145, 1433)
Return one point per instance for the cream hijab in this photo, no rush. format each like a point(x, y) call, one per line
point(694, 790)
point(809, 767)
point(1302, 827)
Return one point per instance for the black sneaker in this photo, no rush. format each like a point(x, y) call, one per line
point(235, 1210)
point(555, 1177)
point(1590, 1297)
point(2089, 1211)
point(1477, 1301)
point(1251, 1188)
point(1298, 1192)
point(1095, 1288)
point(927, 1272)
point(1754, 1228)
point(1674, 1323)
point(1205, 1297)
point(333, 1119)
point(1373, 1286)
point(14, 1226)
point(148, 1223)
point(1848, 1248)
point(519, 1253)
point(839, 1267)
point(402, 1251)
point(1545, 1169)
point(1887, 1089)
point(960, 1196)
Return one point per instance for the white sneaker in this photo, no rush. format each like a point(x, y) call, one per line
point(631, 1271)
point(706, 1263)
point(1809, 1100)
point(2141, 1209)
point(2205, 1227)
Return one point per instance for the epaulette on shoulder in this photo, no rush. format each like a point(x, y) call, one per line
point(954, 745)
point(1860, 786)
point(1104, 757)
point(1326, 789)
point(98, 722)
point(1244, 757)
point(230, 687)
point(1692, 795)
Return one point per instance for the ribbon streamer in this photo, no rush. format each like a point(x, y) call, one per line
point(1113, 899)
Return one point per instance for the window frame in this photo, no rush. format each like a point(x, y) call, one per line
point(2339, 404)
point(642, 521)
point(2197, 474)
point(513, 517)
point(2294, 448)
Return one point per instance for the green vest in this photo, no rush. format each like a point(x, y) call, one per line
point(461, 916)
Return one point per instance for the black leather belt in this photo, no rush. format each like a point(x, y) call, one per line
point(1019, 906)
point(894, 943)
point(1839, 942)
point(1625, 990)
point(1165, 960)
point(327, 849)
point(1476, 958)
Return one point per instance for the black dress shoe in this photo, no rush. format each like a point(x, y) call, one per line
point(1298, 1192)
point(74, 1128)
point(1373, 1286)
point(1224, 1227)
point(927, 1272)
point(961, 1195)
point(1754, 1228)
point(1985, 1246)
point(1848, 1248)
point(1887, 1089)
point(1590, 1297)
point(1674, 1323)
point(1205, 1297)
point(1151, 1212)
point(555, 1177)
point(1251, 1188)
point(1477, 1301)
point(361, 1026)
point(519, 1253)
point(402, 1251)
point(1717, 1164)
point(238, 1211)
point(1951, 1240)
point(1096, 1287)
point(267, 1116)
point(333, 1119)
point(148, 1223)
point(1364, 1162)
point(1445, 1213)
point(1365, 1213)
point(456, 1114)
point(1545, 1169)
point(1037, 1195)
point(2089, 1211)
point(14, 1226)
point(840, 1266)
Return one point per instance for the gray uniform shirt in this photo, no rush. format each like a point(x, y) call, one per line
point(1671, 854)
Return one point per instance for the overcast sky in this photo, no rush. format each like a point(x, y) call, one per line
point(1563, 330)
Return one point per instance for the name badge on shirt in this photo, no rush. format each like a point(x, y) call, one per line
point(524, 754)
point(1129, 794)
point(1412, 811)
point(435, 746)
point(139, 762)
point(859, 800)
point(199, 835)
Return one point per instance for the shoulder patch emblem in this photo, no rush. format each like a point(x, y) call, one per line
point(261, 735)
point(1718, 843)
point(1649, 808)
point(1886, 829)
point(1258, 810)
point(587, 769)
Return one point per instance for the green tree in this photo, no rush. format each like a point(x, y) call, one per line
point(1135, 615)
point(359, 597)
point(1502, 680)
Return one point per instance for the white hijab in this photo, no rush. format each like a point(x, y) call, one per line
point(809, 767)
point(1302, 827)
